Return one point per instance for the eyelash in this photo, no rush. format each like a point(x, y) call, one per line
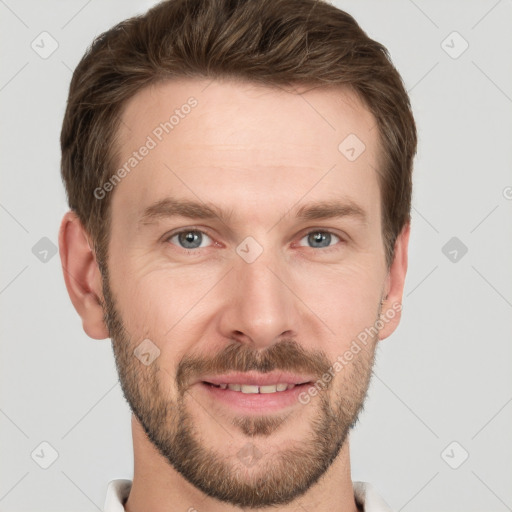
point(196, 251)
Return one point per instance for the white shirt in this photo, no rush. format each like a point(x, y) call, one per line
point(364, 493)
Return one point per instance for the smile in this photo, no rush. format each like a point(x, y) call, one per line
point(251, 389)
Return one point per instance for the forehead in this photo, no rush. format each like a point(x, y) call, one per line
point(248, 147)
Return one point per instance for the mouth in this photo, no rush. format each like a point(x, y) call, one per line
point(250, 389)
point(250, 393)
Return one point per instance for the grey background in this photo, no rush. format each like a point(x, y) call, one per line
point(443, 377)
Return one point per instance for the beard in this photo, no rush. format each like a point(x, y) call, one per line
point(249, 480)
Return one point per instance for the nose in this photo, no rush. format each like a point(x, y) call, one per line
point(260, 307)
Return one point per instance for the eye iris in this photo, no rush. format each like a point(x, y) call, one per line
point(320, 237)
point(190, 239)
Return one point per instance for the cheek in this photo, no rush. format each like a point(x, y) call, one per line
point(346, 299)
point(157, 303)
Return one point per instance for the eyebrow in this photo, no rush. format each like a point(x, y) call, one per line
point(331, 210)
point(172, 207)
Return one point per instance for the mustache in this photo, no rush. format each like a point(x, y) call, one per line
point(286, 355)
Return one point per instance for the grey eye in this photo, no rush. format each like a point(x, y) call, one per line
point(320, 239)
point(190, 239)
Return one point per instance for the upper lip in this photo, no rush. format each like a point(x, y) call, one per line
point(257, 379)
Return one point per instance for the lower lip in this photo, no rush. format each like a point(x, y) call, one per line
point(255, 402)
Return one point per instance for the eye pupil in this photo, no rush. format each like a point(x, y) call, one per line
point(320, 237)
point(190, 239)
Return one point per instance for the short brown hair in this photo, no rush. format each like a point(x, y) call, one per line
point(270, 42)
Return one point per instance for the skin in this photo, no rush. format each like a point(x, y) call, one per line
point(260, 153)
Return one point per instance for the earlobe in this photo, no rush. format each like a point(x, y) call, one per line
point(82, 275)
point(395, 281)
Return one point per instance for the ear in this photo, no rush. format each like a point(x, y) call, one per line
point(82, 275)
point(394, 286)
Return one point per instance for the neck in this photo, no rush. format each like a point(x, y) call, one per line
point(158, 487)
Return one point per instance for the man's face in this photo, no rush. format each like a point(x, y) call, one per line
point(259, 296)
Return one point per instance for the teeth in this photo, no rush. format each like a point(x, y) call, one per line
point(248, 388)
point(268, 389)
